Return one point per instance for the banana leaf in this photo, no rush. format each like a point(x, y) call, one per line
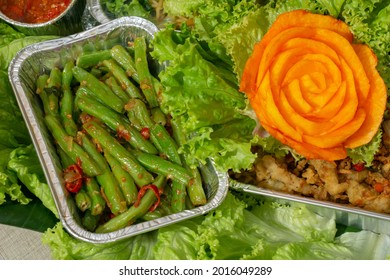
point(32, 216)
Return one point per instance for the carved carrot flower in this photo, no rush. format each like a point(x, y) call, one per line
point(313, 88)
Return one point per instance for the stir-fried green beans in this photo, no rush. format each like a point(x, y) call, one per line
point(103, 112)
point(98, 88)
point(134, 212)
point(145, 78)
point(116, 122)
point(66, 102)
point(120, 74)
point(71, 148)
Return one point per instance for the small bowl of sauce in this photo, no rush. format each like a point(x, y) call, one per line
point(43, 17)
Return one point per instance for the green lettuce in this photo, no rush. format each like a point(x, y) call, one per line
point(9, 185)
point(366, 245)
point(182, 7)
point(27, 167)
point(230, 28)
point(65, 247)
point(9, 49)
point(201, 93)
point(14, 135)
point(366, 153)
point(242, 227)
point(370, 24)
point(121, 8)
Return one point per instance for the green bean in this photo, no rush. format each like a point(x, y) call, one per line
point(83, 201)
point(159, 165)
point(114, 121)
point(111, 192)
point(67, 75)
point(98, 88)
point(158, 88)
point(125, 181)
point(41, 83)
point(168, 148)
point(162, 140)
point(55, 78)
point(140, 112)
point(109, 186)
point(66, 161)
point(128, 162)
point(90, 221)
point(86, 60)
point(99, 73)
point(164, 143)
point(195, 190)
point(178, 196)
point(116, 88)
point(71, 148)
point(124, 59)
point(97, 201)
point(177, 132)
point(149, 216)
point(53, 91)
point(142, 67)
point(158, 116)
point(134, 119)
point(66, 102)
point(120, 74)
point(40, 90)
point(133, 213)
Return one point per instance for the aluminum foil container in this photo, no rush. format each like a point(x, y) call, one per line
point(343, 214)
point(69, 22)
point(39, 58)
point(98, 12)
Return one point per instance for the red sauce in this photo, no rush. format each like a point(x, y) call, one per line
point(33, 11)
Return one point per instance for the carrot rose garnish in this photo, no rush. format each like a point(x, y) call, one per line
point(313, 88)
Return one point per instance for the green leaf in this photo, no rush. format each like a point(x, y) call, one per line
point(32, 216)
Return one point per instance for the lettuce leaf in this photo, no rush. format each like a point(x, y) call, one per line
point(13, 134)
point(12, 127)
point(366, 245)
point(370, 24)
point(276, 7)
point(242, 227)
point(240, 37)
point(312, 251)
point(25, 163)
point(13, 130)
point(65, 247)
point(178, 241)
point(182, 7)
point(230, 28)
point(121, 8)
point(201, 93)
point(366, 153)
point(9, 50)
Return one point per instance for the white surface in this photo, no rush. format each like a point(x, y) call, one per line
point(22, 244)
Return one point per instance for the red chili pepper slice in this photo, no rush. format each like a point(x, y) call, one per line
point(73, 177)
point(359, 167)
point(123, 133)
point(379, 187)
point(145, 132)
point(142, 192)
